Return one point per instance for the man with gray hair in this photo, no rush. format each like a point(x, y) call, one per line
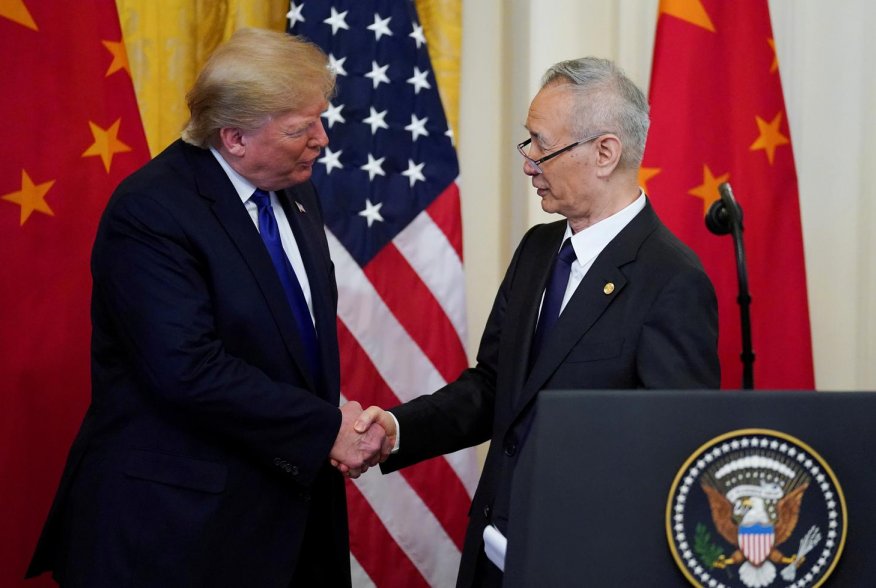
point(606, 298)
point(205, 456)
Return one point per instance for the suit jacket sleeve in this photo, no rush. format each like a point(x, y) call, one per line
point(678, 341)
point(461, 414)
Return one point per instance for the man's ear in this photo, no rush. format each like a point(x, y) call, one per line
point(608, 153)
point(233, 140)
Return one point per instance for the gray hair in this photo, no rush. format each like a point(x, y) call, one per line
point(252, 76)
point(606, 100)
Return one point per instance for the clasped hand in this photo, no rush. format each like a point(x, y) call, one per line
point(365, 439)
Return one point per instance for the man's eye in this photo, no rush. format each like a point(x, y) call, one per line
point(296, 133)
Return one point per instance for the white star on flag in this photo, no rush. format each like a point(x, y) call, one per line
point(375, 119)
point(333, 114)
point(419, 81)
point(371, 212)
point(417, 35)
point(380, 26)
point(414, 172)
point(374, 167)
point(294, 15)
point(337, 65)
point(331, 160)
point(337, 21)
point(378, 74)
point(417, 127)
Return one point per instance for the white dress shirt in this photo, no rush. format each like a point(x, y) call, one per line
point(590, 242)
point(245, 189)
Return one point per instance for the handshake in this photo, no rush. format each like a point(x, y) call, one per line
point(366, 438)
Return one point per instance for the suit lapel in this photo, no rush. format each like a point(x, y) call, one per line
point(234, 218)
point(589, 302)
point(529, 282)
point(302, 212)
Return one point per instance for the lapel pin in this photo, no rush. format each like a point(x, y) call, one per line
point(608, 288)
point(300, 207)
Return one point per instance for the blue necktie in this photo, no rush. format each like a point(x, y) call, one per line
point(553, 296)
point(270, 234)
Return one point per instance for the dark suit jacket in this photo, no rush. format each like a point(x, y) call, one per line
point(657, 328)
point(203, 458)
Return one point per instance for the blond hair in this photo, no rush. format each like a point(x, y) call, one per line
point(255, 74)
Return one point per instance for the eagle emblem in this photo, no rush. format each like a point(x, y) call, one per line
point(735, 511)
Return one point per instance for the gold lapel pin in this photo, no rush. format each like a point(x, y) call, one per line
point(608, 288)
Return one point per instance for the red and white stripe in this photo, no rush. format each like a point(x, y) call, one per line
point(756, 546)
point(401, 330)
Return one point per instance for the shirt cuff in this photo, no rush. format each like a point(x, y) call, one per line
point(397, 434)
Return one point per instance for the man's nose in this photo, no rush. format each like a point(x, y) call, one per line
point(319, 138)
point(529, 168)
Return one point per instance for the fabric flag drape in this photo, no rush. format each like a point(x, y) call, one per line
point(387, 182)
point(718, 114)
point(74, 132)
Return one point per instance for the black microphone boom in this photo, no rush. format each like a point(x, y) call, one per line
point(725, 216)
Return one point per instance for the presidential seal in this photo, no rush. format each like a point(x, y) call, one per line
point(756, 508)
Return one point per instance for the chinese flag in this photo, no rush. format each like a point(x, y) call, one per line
point(718, 115)
point(73, 131)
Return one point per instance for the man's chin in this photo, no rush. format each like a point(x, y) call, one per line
point(548, 205)
point(300, 176)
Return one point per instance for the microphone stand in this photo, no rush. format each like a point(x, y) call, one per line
point(723, 217)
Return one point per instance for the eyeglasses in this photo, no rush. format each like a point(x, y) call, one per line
point(536, 163)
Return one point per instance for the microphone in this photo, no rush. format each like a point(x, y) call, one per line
point(724, 212)
point(725, 216)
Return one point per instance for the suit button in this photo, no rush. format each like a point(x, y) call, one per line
point(287, 468)
point(277, 461)
point(293, 470)
point(510, 447)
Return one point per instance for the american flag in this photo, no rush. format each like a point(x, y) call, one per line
point(387, 182)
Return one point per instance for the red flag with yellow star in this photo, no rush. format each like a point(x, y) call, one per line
point(718, 114)
point(73, 132)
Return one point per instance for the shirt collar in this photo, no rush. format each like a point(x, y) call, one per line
point(589, 242)
point(244, 187)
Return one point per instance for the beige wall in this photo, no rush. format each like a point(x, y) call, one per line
point(825, 50)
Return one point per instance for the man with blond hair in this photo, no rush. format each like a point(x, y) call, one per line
point(204, 458)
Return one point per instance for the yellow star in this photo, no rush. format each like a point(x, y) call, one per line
point(17, 12)
point(690, 10)
point(120, 57)
point(775, 66)
point(770, 136)
point(31, 197)
point(106, 143)
point(708, 190)
point(645, 174)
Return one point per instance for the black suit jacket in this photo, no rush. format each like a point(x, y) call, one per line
point(203, 457)
point(656, 326)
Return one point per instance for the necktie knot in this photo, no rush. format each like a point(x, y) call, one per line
point(261, 198)
point(567, 252)
point(267, 223)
